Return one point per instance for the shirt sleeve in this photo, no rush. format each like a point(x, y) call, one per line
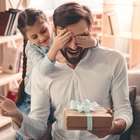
point(39, 59)
point(119, 89)
point(35, 125)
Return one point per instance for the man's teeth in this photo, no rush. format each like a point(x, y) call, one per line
point(72, 52)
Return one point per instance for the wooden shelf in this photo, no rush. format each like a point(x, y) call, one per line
point(125, 35)
point(4, 39)
point(6, 78)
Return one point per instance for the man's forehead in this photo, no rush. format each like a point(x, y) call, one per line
point(77, 28)
point(74, 32)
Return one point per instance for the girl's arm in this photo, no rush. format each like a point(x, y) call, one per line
point(36, 57)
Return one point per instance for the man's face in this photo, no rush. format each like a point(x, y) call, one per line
point(71, 51)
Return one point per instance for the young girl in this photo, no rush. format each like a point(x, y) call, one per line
point(41, 50)
point(35, 27)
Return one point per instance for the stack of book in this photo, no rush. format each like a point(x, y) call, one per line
point(8, 22)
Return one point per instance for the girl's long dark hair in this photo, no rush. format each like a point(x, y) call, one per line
point(21, 89)
point(26, 18)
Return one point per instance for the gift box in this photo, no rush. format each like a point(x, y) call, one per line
point(74, 120)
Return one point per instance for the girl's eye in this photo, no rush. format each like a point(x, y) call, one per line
point(44, 31)
point(34, 37)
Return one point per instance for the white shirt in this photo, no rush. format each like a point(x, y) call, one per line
point(100, 76)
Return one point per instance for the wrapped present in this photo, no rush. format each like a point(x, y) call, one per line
point(88, 116)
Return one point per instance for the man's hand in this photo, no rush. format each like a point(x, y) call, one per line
point(9, 109)
point(118, 126)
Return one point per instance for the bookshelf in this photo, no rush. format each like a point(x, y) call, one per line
point(129, 37)
point(6, 78)
point(16, 40)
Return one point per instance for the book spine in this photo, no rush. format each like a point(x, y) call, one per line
point(7, 26)
point(110, 25)
point(14, 27)
point(11, 23)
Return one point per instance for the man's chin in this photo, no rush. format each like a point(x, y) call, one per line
point(73, 61)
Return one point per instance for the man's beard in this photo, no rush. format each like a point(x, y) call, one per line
point(74, 60)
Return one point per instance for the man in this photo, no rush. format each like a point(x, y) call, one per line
point(97, 74)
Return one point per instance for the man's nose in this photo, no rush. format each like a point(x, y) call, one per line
point(73, 44)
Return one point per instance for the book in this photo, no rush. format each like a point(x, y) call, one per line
point(106, 23)
point(110, 25)
point(113, 23)
point(7, 26)
point(11, 60)
point(13, 25)
point(4, 16)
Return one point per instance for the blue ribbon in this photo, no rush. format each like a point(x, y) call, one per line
point(86, 106)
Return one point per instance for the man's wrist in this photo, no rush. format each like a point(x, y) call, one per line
point(118, 126)
point(18, 119)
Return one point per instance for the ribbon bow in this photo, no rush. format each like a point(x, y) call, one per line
point(86, 106)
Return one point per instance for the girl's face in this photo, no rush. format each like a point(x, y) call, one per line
point(39, 33)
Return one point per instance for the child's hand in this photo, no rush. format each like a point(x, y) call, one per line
point(86, 41)
point(8, 107)
point(61, 39)
point(59, 42)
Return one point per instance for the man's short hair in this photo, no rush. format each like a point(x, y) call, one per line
point(71, 13)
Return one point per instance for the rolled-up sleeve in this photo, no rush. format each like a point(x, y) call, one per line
point(35, 125)
point(120, 91)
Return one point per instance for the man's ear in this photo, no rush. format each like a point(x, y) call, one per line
point(88, 33)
